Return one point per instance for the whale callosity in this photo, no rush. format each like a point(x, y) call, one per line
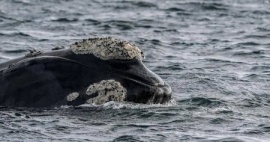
point(107, 48)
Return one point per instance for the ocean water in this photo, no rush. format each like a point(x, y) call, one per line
point(215, 54)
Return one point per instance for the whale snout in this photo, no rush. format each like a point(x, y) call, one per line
point(155, 92)
point(146, 94)
point(146, 87)
point(162, 94)
point(143, 85)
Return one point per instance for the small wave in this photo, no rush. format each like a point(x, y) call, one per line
point(204, 19)
point(174, 67)
point(121, 25)
point(167, 30)
point(263, 29)
point(143, 4)
point(214, 6)
point(220, 60)
point(256, 12)
point(201, 101)
point(125, 138)
point(92, 21)
point(24, 2)
point(134, 4)
point(156, 42)
point(65, 20)
point(7, 18)
point(174, 9)
point(252, 76)
point(183, 13)
point(153, 41)
point(206, 6)
point(252, 102)
point(15, 51)
point(182, 43)
point(146, 21)
point(265, 128)
point(260, 68)
point(267, 36)
point(242, 53)
point(8, 33)
point(143, 26)
point(248, 44)
point(228, 139)
point(218, 121)
point(253, 132)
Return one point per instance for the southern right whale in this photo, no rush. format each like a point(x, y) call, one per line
point(94, 70)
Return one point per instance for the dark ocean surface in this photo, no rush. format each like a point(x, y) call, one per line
point(215, 54)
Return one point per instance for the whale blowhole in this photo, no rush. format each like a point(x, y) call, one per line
point(108, 48)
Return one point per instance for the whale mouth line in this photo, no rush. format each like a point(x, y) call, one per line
point(100, 68)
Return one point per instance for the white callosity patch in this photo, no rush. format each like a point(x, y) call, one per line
point(72, 96)
point(107, 48)
point(108, 90)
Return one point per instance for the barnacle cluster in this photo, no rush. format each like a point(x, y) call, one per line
point(107, 48)
point(107, 90)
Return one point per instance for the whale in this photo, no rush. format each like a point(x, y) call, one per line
point(91, 71)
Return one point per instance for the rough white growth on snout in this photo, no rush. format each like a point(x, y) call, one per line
point(107, 90)
point(72, 96)
point(107, 48)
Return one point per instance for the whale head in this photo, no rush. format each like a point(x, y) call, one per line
point(124, 76)
point(95, 71)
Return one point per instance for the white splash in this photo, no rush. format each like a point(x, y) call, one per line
point(129, 105)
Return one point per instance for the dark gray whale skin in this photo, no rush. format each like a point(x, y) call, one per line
point(46, 79)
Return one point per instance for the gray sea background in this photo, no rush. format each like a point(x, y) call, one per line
point(215, 54)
